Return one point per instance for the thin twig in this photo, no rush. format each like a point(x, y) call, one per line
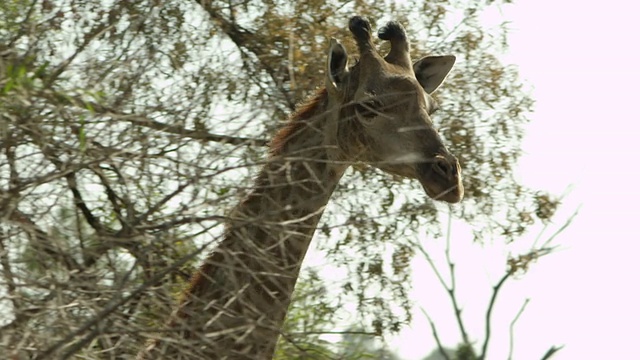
point(9, 283)
point(494, 296)
point(301, 333)
point(552, 350)
point(251, 41)
point(432, 265)
point(563, 227)
point(545, 249)
point(24, 25)
point(512, 326)
point(291, 57)
point(115, 303)
point(143, 120)
point(441, 348)
point(451, 291)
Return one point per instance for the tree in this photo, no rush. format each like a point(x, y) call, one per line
point(127, 130)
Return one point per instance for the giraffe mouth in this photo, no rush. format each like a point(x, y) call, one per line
point(451, 195)
point(439, 184)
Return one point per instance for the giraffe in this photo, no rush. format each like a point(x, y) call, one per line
point(375, 112)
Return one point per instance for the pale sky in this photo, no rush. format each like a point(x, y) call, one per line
point(581, 58)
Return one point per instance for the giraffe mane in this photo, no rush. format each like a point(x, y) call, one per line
point(308, 109)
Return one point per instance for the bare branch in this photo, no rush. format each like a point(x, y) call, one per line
point(449, 289)
point(452, 289)
point(112, 196)
point(432, 265)
point(514, 264)
point(94, 33)
point(512, 326)
point(24, 25)
point(554, 349)
point(84, 209)
point(434, 331)
point(7, 272)
point(562, 228)
point(144, 121)
point(492, 302)
point(180, 221)
point(41, 240)
point(193, 134)
point(243, 38)
point(113, 305)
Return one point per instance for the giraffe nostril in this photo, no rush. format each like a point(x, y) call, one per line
point(442, 167)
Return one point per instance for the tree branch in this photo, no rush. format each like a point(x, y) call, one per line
point(41, 241)
point(181, 221)
point(21, 32)
point(441, 348)
point(492, 302)
point(163, 201)
point(144, 121)
point(452, 289)
point(10, 283)
point(562, 228)
point(113, 305)
point(193, 134)
point(551, 351)
point(89, 36)
point(84, 209)
point(246, 39)
point(521, 263)
point(113, 197)
point(512, 326)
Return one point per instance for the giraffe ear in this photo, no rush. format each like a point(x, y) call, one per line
point(432, 70)
point(336, 66)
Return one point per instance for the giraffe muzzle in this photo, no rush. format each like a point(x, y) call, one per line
point(441, 179)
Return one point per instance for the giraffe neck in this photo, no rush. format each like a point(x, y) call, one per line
point(237, 301)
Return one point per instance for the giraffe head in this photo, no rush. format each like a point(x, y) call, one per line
point(382, 109)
